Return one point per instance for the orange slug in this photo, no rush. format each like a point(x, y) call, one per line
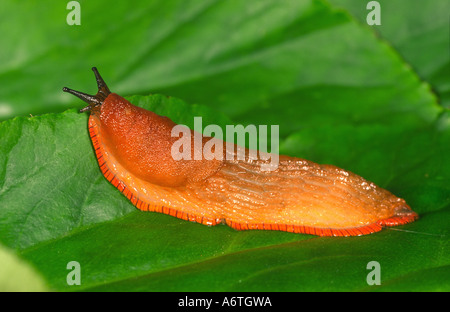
point(133, 149)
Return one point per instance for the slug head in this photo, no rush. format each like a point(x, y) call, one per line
point(141, 141)
point(94, 101)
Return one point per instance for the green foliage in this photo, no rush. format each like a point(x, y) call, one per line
point(340, 94)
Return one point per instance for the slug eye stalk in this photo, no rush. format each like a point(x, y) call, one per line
point(94, 101)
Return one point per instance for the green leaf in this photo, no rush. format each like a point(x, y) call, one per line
point(420, 35)
point(339, 94)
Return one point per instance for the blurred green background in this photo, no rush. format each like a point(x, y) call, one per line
point(371, 99)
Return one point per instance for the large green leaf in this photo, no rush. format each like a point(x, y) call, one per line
point(339, 94)
point(148, 251)
point(420, 35)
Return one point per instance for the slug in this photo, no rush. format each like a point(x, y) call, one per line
point(133, 149)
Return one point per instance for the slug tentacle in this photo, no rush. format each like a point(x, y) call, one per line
point(103, 90)
point(94, 101)
point(133, 149)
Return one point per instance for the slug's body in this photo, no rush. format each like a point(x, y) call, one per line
point(133, 148)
